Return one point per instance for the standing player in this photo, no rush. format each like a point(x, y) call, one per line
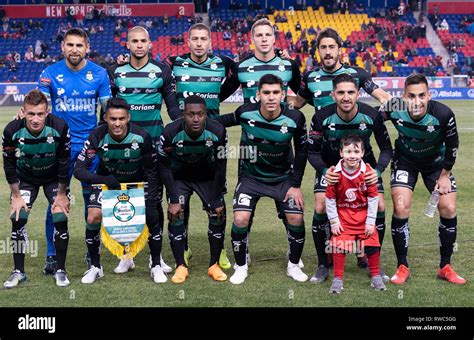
point(201, 74)
point(316, 89)
point(192, 158)
point(268, 128)
point(427, 143)
point(126, 154)
point(144, 83)
point(75, 86)
point(328, 126)
point(351, 206)
point(265, 60)
point(36, 152)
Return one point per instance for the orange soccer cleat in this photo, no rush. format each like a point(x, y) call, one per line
point(447, 273)
point(216, 273)
point(180, 275)
point(401, 275)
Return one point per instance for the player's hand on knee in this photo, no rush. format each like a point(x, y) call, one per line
point(62, 203)
point(331, 176)
point(443, 185)
point(17, 204)
point(220, 213)
point(174, 212)
point(371, 177)
point(297, 196)
point(369, 229)
point(336, 227)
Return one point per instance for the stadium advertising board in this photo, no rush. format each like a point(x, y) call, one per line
point(118, 10)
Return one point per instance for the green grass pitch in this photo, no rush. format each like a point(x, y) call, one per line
point(267, 284)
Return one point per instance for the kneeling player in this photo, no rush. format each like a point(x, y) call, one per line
point(36, 151)
point(126, 155)
point(192, 158)
point(268, 128)
point(351, 206)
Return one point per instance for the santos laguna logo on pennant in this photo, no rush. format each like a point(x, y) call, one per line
point(124, 231)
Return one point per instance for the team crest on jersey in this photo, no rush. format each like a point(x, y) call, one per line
point(250, 83)
point(430, 127)
point(89, 76)
point(50, 139)
point(284, 128)
point(281, 67)
point(213, 65)
point(185, 77)
point(362, 125)
point(152, 74)
point(134, 144)
point(209, 142)
point(60, 91)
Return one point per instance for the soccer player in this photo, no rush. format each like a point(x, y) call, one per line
point(75, 86)
point(268, 129)
point(265, 60)
point(36, 152)
point(201, 74)
point(144, 83)
point(328, 126)
point(126, 154)
point(351, 207)
point(427, 144)
point(316, 88)
point(192, 158)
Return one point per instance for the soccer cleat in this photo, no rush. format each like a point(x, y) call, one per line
point(321, 274)
point(240, 274)
point(158, 275)
point(92, 274)
point(61, 278)
point(294, 271)
point(180, 275)
point(50, 265)
point(14, 279)
point(401, 275)
point(336, 286)
point(188, 254)
point(447, 273)
point(216, 273)
point(385, 277)
point(300, 262)
point(124, 266)
point(362, 262)
point(376, 282)
point(167, 269)
point(224, 261)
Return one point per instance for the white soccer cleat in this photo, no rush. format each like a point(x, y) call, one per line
point(240, 274)
point(92, 274)
point(124, 266)
point(158, 275)
point(300, 262)
point(14, 279)
point(61, 278)
point(294, 271)
point(167, 269)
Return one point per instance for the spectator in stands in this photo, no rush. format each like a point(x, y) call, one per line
point(444, 26)
point(79, 19)
point(12, 65)
point(2, 62)
point(298, 26)
point(359, 46)
point(29, 55)
point(353, 57)
point(180, 40)
point(311, 30)
point(359, 8)
point(309, 64)
point(166, 21)
point(288, 35)
point(402, 8)
point(344, 7)
point(227, 35)
point(470, 29)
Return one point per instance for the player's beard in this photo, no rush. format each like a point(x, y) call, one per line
point(330, 67)
point(76, 62)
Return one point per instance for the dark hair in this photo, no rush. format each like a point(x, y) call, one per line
point(194, 99)
point(415, 79)
point(269, 79)
point(329, 33)
point(35, 97)
point(117, 103)
point(77, 32)
point(344, 78)
point(199, 26)
point(352, 139)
